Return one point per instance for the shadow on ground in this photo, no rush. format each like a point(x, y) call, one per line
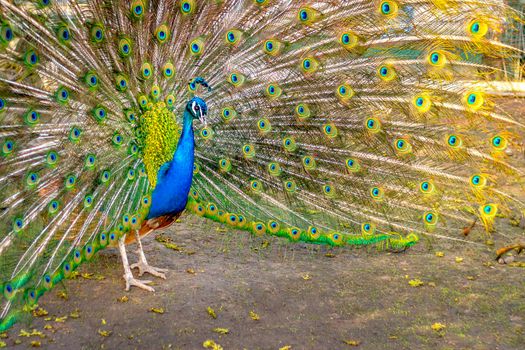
point(305, 297)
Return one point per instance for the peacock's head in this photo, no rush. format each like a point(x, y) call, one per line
point(197, 108)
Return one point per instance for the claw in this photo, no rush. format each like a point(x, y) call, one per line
point(142, 284)
point(144, 267)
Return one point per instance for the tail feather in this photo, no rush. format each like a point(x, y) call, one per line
point(345, 123)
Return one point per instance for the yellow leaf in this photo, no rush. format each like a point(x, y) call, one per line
point(3, 335)
point(211, 312)
point(40, 312)
point(330, 255)
point(123, 299)
point(173, 246)
point(99, 277)
point(440, 254)
point(458, 259)
point(24, 333)
point(48, 318)
point(87, 276)
point(190, 271)
point(104, 333)
point(352, 342)
point(34, 332)
point(60, 319)
point(62, 294)
point(254, 316)
point(103, 322)
point(157, 310)
point(2, 344)
point(286, 347)
point(210, 344)
point(35, 344)
point(438, 327)
point(306, 277)
point(48, 326)
point(416, 282)
point(75, 314)
point(221, 330)
point(18, 341)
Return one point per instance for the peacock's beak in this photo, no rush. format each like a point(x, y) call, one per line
point(202, 117)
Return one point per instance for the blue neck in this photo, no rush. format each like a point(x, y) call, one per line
point(171, 193)
point(186, 144)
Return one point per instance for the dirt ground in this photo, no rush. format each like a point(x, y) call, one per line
point(269, 294)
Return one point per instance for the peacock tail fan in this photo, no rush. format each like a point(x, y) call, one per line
point(351, 122)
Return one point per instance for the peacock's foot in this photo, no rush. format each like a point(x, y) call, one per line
point(142, 284)
point(144, 267)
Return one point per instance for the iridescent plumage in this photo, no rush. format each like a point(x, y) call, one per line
point(357, 122)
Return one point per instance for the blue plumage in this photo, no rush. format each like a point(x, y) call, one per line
point(174, 178)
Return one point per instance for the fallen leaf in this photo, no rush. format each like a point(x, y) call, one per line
point(517, 264)
point(416, 282)
point(286, 347)
point(431, 284)
point(103, 322)
point(458, 259)
point(3, 335)
point(40, 312)
point(88, 276)
point(75, 314)
point(265, 244)
point(254, 316)
point(157, 310)
point(2, 344)
point(438, 327)
point(173, 246)
point(61, 319)
point(211, 312)
point(18, 341)
point(352, 342)
point(24, 333)
point(330, 255)
point(123, 299)
point(306, 277)
point(99, 277)
point(48, 326)
point(62, 294)
point(104, 333)
point(440, 254)
point(210, 344)
point(190, 271)
point(221, 330)
point(74, 275)
point(48, 318)
point(35, 344)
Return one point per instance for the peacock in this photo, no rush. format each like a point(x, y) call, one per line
point(341, 123)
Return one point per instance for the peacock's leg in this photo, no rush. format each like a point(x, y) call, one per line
point(128, 276)
point(143, 265)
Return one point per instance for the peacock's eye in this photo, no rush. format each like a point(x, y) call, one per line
point(196, 108)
